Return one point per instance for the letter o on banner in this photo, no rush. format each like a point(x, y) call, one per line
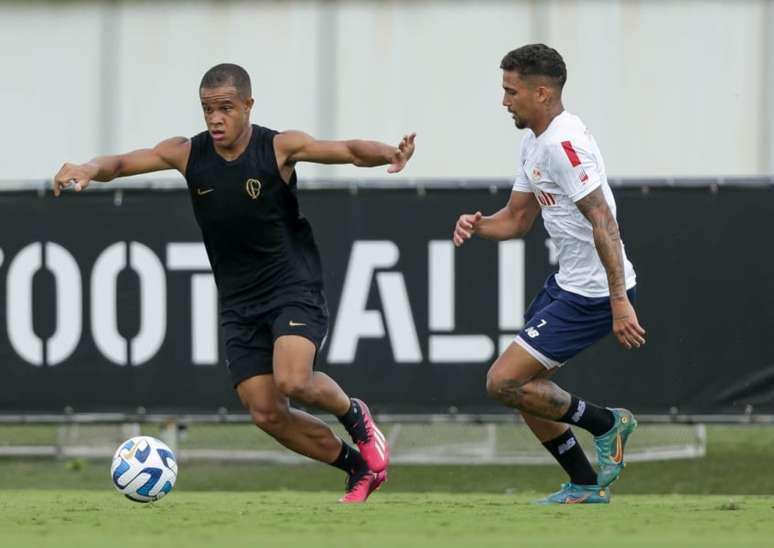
point(19, 314)
point(153, 303)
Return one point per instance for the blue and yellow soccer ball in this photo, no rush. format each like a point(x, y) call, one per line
point(144, 469)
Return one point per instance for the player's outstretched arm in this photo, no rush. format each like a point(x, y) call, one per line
point(608, 243)
point(512, 221)
point(296, 146)
point(170, 154)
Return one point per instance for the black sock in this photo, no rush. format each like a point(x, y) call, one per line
point(588, 416)
point(567, 451)
point(350, 461)
point(353, 422)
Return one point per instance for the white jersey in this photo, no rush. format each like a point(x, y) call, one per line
point(560, 167)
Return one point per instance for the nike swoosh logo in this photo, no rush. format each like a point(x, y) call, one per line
point(575, 500)
point(542, 323)
point(201, 192)
point(618, 456)
point(294, 324)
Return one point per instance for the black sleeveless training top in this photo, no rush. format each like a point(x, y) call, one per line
point(261, 248)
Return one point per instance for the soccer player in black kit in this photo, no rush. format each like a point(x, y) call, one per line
point(242, 183)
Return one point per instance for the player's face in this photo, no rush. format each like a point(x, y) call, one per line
point(518, 98)
point(226, 114)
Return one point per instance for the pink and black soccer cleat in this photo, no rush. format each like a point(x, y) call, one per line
point(360, 488)
point(374, 448)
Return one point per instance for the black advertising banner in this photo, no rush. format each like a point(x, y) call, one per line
point(107, 302)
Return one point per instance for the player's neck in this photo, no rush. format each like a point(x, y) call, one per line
point(238, 147)
point(542, 124)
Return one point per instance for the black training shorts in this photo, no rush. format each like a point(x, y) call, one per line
point(250, 332)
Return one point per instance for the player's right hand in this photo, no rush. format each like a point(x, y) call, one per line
point(78, 176)
point(626, 327)
point(466, 227)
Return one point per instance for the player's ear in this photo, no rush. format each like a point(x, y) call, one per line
point(544, 93)
point(249, 102)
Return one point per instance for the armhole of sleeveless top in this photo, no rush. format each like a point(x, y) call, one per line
point(266, 147)
point(196, 141)
point(273, 156)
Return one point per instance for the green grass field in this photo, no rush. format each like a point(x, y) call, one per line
point(85, 519)
point(737, 463)
point(723, 499)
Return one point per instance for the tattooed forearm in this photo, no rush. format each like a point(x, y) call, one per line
point(607, 240)
point(539, 397)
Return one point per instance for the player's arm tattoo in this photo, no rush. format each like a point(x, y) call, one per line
point(607, 240)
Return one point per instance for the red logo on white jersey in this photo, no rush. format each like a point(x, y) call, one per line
point(575, 161)
point(545, 199)
point(571, 154)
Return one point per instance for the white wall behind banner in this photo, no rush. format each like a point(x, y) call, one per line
point(669, 88)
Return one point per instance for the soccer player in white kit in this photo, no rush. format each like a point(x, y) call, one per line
point(562, 176)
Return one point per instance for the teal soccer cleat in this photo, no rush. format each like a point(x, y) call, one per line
point(571, 493)
point(610, 447)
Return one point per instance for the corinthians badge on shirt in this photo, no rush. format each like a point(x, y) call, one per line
point(253, 188)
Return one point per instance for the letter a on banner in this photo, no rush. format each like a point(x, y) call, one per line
point(354, 322)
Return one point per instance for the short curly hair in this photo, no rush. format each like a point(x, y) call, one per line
point(537, 60)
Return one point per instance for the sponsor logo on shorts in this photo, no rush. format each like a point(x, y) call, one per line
point(533, 332)
point(291, 323)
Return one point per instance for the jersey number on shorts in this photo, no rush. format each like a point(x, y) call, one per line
point(533, 332)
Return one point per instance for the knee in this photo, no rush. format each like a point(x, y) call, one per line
point(504, 389)
point(297, 387)
point(494, 381)
point(271, 420)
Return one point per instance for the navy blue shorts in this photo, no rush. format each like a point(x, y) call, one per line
point(560, 324)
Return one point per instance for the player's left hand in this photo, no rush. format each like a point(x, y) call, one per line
point(626, 328)
point(402, 154)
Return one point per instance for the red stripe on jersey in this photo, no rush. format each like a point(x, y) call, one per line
point(551, 198)
point(571, 154)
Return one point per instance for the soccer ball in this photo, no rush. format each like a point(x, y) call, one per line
point(144, 469)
